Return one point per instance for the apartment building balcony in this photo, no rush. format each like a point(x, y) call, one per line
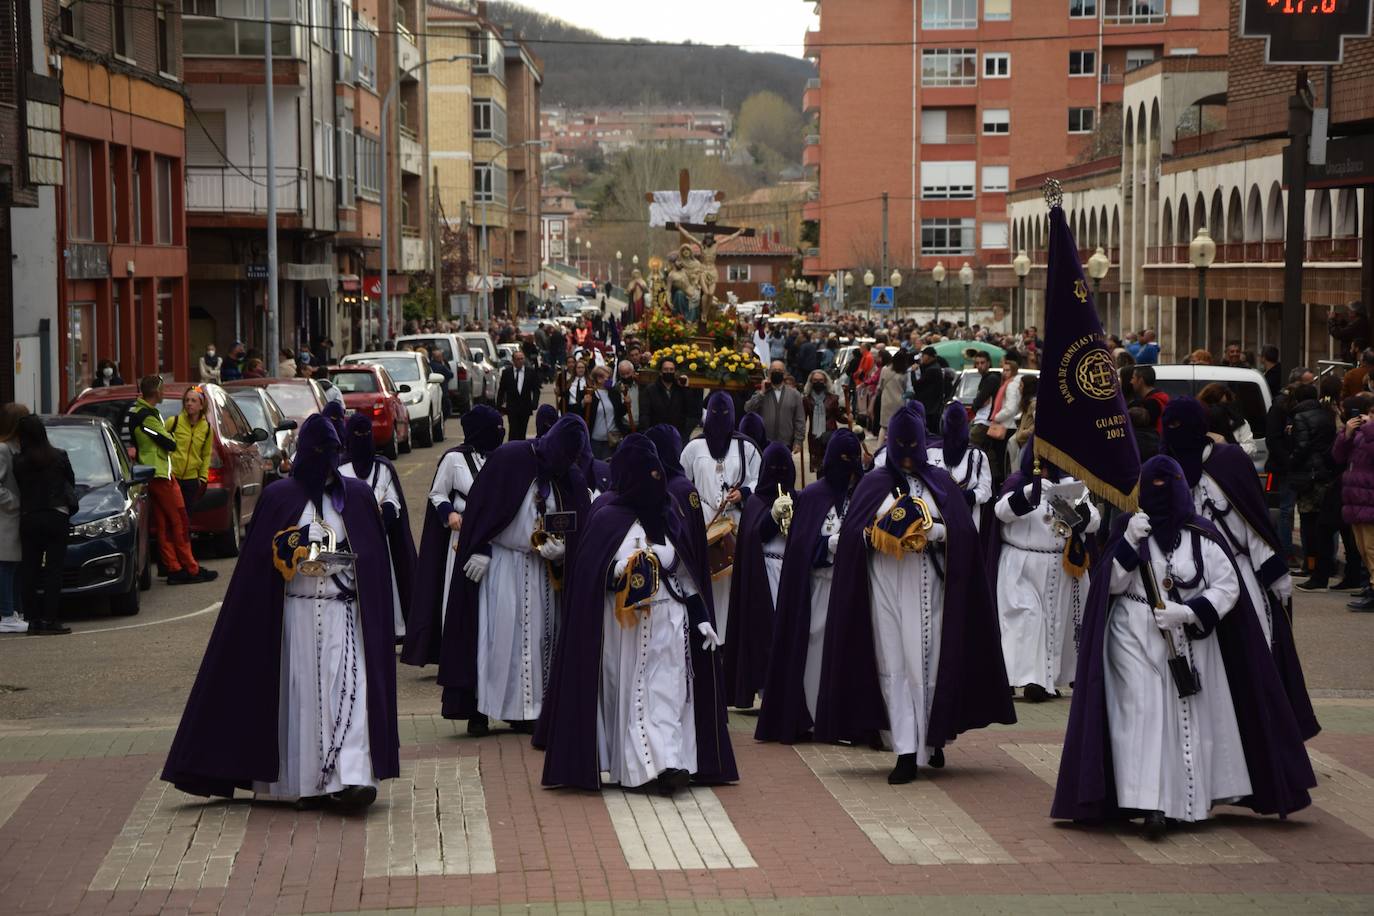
point(811, 153)
point(811, 261)
point(407, 52)
point(242, 191)
point(1317, 251)
point(811, 98)
point(214, 37)
point(812, 44)
point(811, 210)
point(412, 155)
point(413, 254)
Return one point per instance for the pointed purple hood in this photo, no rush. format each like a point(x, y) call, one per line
point(719, 426)
point(954, 430)
point(317, 456)
point(361, 450)
point(483, 429)
point(1185, 436)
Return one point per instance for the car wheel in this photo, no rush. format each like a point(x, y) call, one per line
point(145, 578)
point(390, 450)
point(406, 445)
point(228, 542)
point(426, 432)
point(439, 429)
point(126, 604)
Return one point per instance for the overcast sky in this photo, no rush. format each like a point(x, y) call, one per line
point(757, 25)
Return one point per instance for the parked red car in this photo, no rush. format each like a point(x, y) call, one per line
point(370, 390)
point(235, 465)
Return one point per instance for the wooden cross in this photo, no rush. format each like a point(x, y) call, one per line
point(684, 187)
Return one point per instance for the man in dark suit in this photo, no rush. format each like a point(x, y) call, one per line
point(518, 396)
point(928, 385)
point(665, 401)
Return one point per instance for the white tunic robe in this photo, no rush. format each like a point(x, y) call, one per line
point(1178, 756)
point(645, 718)
point(1251, 550)
point(322, 715)
point(384, 490)
point(713, 480)
point(972, 472)
point(822, 577)
point(1039, 605)
point(452, 483)
point(517, 616)
point(907, 598)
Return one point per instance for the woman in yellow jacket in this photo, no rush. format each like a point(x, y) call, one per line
point(191, 460)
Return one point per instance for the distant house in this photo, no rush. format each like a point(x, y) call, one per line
point(746, 264)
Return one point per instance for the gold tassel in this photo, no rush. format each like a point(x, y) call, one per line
point(1077, 570)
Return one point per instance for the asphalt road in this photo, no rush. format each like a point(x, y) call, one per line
point(127, 671)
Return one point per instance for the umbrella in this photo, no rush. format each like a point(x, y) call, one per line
point(953, 352)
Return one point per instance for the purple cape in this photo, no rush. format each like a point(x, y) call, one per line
point(571, 758)
point(1234, 472)
point(493, 501)
point(1280, 772)
point(971, 687)
point(424, 621)
point(401, 542)
point(784, 716)
point(228, 734)
point(750, 633)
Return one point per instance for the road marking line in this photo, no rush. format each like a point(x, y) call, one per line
point(1344, 792)
point(151, 623)
point(914, 824)
point(431, 820)
point(172, 840)
point(13, 791)
point(691, 830)
point(1203, 843)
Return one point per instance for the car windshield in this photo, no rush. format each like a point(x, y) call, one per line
point(402, 370)
point(296, 401)
point(354, 382)
point(88, 452)
point(251, 406)
point(431, 344)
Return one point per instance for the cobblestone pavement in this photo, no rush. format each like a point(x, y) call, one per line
point(86, 827)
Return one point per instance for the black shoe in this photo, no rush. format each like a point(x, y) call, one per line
point(904, 772)
point(1359, 604)
point(351, 799)
point(1314, 585)
point(937, 758)
point(672, 781)
point(1034, 693)
point(478, 726)
point(205, 575)
point(1155, 826)
point(311, 802)
point(48, 628)
point(523, 728)
point(1351, 585)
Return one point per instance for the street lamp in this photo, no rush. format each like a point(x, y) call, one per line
point(966, 278)
point(386, 188)
point(895, 281)
point(1022, 265)
point(868, 278)
point(1098, 265)
point(589, 258)
point(937, 273)
point(1202, 251)
point(619, 278)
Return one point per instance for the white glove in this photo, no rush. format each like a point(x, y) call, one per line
point(1283, 587)
point(712, 641)
point(832, 544)
point(317, 534)
point(936, 534)
point(1173, 615)
point(1138, 528)
point(781, 506)
point(553, 549)
point(666, 555)
point(476, 566)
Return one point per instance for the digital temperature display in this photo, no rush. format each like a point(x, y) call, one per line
point(1305, 31)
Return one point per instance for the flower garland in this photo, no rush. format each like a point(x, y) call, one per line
point(723, 365)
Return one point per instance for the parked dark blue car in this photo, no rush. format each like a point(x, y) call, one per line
point(107, 553)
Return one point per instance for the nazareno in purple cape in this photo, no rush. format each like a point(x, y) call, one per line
point(495, 498)
point(784, 716)
point(971, 685)
point(228, 734)
point(424, 620)
point(1234, 472)
point(1280, 772)
point(569, 720)
point(402, 543)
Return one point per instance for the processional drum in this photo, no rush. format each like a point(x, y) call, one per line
point(720, 547)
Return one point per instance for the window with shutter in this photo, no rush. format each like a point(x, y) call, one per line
point(206, 138)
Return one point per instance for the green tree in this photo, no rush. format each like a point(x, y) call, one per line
point(766, 119)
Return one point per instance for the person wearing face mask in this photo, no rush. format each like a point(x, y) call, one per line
point(808, 566)
point(448, 498)
point(1226, 493)
point(759, 549)
point(211, 365)
point(524, 515)
point(912, 650)
point(1041, 574)
point(106, 375)
point(724, 467)
point(825, 413)
point(317, 721)
point(1134, 746)
point(784, 417)
point(362, 462)
point(636, 592)
point(667, 401)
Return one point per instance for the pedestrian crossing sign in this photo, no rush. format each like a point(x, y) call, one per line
point(882, 297)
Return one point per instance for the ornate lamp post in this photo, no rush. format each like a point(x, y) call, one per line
point(1098, 265)
point(966, 278)
point(1021, 265)
point(937, 273)
point(1202, 251)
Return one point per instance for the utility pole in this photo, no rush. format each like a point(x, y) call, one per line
point(883, 277)
point(1292, 333)
point(436, 241)
point(271, 345)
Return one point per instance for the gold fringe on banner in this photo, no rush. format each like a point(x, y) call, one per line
point(627, 612)
point(1126, 502)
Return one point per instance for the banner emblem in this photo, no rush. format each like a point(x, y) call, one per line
point(1097, 376)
